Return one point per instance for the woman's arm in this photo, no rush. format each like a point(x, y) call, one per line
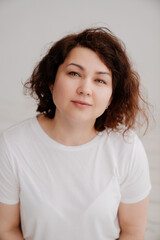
point(132, 220)
point(9, 222)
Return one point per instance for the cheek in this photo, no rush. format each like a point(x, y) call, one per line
point(104, 98)
point(62, 84)
point(60, 92)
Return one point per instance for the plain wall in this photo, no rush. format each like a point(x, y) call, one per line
point(27, 29)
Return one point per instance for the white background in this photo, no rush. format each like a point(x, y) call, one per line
point(29, 27)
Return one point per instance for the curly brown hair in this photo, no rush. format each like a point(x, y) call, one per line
point(126, 96)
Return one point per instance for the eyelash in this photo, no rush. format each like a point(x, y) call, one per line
point(101, 81)
point(74, 74)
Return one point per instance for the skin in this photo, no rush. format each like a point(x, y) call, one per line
point(9, 222)
point(132, 220)
point(83, 77)
point(81, 93)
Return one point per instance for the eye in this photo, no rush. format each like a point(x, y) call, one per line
point(101, 81)
point(74, 74)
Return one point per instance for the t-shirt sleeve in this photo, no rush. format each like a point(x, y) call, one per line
point(9, 187)
point(136, 185)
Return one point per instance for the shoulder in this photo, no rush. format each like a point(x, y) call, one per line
point(126, 150)
point(16, 133)
point(118, 140)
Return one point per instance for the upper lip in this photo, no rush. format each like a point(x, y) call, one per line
point(82, 102)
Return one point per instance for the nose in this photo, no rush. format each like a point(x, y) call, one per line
point(84, 88)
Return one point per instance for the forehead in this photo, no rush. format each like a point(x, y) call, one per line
point(78, 52)
point(85, 56)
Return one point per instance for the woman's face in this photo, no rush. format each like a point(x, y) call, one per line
point(83, 86)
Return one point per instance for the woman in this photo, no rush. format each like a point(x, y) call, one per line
point(77, 170)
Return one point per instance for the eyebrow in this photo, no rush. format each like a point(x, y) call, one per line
point(77, 65)
point(82, 68)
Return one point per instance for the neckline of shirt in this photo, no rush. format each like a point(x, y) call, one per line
point(48, 140)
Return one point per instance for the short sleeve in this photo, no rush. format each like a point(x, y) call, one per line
point(137, 184)
point(9, 187)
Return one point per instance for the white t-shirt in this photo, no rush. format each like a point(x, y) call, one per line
point(70, 192)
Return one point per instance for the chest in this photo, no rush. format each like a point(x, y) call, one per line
point(79, 188)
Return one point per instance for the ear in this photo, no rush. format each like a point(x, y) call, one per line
point(51, 88)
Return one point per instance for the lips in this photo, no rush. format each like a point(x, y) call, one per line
point(81, 103)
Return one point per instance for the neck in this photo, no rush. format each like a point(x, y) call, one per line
point(68, 133)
